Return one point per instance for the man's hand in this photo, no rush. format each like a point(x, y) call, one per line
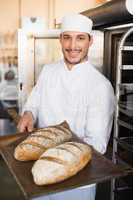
point(26, 122)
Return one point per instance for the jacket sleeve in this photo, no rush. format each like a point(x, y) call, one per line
point(33, 101)
point(100, 117)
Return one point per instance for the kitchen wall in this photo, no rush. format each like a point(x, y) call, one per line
point(11, 13)
point(8, 15)
point(8, 25)
point(33, 8)
point(66, 6)
point(12, 10)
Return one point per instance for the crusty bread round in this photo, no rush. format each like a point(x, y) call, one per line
point(61, 162)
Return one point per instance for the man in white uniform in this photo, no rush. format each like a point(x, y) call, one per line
point(73, 90)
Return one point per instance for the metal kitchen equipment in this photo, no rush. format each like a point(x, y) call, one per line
point(34, 51)
point(123, 107)
point(112, 13)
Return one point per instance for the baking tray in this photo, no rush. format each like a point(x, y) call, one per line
point(98, 170)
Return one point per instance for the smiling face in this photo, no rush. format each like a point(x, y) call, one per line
point(75, 46)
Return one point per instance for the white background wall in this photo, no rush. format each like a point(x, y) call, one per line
point(12, 10)
point(65, 6)
point(8, 15)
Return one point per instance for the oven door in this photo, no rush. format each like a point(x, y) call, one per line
point(34, 52)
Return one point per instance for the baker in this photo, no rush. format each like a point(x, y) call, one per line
point(73, 90)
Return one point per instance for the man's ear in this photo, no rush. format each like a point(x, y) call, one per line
point(91, 40)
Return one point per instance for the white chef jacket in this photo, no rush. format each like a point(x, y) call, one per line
point(84, 98)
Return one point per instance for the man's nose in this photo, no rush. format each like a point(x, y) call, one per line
point(73, 44)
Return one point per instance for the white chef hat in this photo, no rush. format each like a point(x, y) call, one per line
point(76, 22)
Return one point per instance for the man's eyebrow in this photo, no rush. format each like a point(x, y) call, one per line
point(66, 34)
point(81, 35)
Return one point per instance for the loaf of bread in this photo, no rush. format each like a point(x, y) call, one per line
point(42, 139)
point(61, 162)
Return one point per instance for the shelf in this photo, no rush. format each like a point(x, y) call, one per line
point(126, 143)
point(128, 105)
point(125, 159)
point(124, 155)
point(123, 194)
point(126, 112)
point(128, 86)
point(123, 143)
point(122, 161)
point(127, 48)
point(126, 108)
point(125, 124)
point(127, 67)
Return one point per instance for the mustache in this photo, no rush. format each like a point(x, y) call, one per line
point(73, 50)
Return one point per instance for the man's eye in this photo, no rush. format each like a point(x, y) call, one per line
point(81, 38)
point(66, 37)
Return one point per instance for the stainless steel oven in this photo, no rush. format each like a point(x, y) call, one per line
point(34, 52)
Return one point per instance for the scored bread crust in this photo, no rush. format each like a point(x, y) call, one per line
point(61, 162)
point(42, 139)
